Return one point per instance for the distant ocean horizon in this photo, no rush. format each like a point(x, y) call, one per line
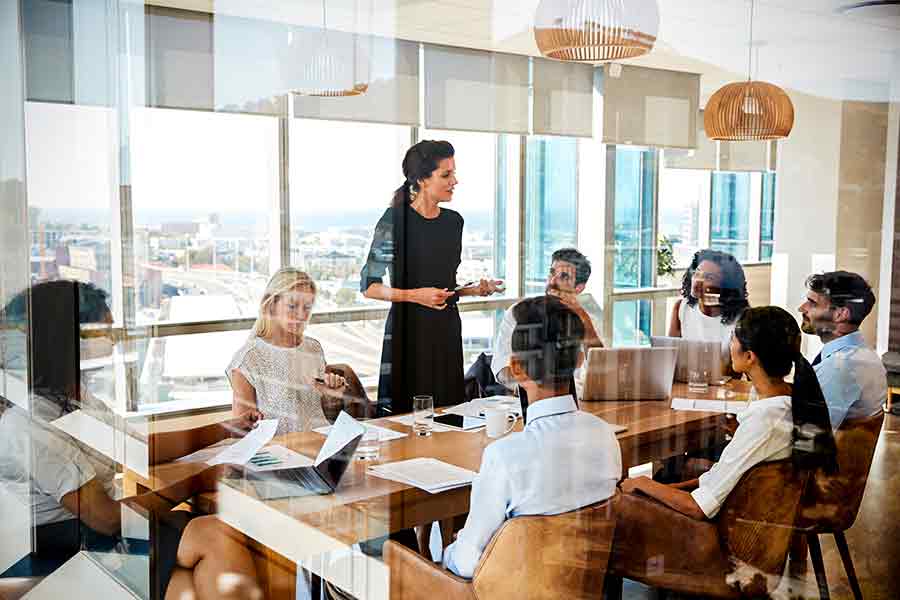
point(314, 222)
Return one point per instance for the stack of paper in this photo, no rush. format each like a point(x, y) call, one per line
point(429, 474)
point(384, 434)
point(243, 450)
point(719, 406)
point(475, 408)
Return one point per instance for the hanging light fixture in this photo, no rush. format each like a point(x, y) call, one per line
point(749, 110)
point(337, 66)
point(595, 30)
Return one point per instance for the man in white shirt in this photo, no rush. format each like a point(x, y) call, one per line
point(568, 276)
point(564, 459)
point(851, 374)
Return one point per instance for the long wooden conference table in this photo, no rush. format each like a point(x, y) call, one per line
point(321, 532)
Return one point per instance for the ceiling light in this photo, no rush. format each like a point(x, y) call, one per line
point(749, 110)
point(337, 65)
point(596, 30)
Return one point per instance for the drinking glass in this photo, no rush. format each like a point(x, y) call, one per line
point(698, 381)
point(423, 415)
point(369, 446)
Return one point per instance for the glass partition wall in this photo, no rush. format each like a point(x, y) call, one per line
point(171, 172)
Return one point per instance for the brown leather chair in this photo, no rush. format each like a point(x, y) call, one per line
point(832, 502)
point(354, 401)
point(740, 553)
point(534, 557)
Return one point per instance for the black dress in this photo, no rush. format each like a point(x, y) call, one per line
point(422, 348)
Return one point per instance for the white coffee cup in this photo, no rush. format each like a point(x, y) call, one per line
point(497, 421)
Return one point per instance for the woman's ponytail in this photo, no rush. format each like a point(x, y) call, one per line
point(401, 196)
point(813, 439)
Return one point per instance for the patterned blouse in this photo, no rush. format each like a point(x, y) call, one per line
point(283, 378)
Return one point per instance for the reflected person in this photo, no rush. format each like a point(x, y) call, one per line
point(70, 486)
point(418, 244)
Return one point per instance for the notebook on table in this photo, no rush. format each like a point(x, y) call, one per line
point(629, 374)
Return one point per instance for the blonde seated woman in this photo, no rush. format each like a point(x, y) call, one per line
point(277, 369)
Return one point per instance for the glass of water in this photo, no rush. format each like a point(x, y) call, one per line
point(698, 381)
point(369, 445)
point(423, 415)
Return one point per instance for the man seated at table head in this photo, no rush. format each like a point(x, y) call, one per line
point(564, 459)
point(568, 276)
point(851, 374)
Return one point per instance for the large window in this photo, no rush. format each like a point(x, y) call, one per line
point(342, 177)
point(482, 170)
point(72, 192)
point(682, 196)
point(729, 229)
point(551, 204)
point(204, 189)
point(767, 218)
point(635, 185)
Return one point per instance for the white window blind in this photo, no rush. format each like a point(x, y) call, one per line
point(563, 98)
point(702, 158)
point(650, 107)
point(747, 156)
point(470, 90)
point(180, 58)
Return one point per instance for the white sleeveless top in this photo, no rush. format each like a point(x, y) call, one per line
point(283, 378)
point(703, 328)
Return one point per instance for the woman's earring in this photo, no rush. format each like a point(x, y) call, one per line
point(412, 193)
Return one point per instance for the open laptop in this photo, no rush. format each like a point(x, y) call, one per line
point(305, 481)
point(629, 374)
point(694, 355)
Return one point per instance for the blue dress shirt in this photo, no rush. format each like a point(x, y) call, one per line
point(563, 460)
point(852, 377)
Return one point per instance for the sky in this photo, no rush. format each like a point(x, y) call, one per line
point(228, 163)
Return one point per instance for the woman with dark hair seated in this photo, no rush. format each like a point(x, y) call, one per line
point(70, 485)
point(713, 296)
point(786, 421)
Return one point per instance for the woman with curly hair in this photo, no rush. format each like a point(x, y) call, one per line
point(714, 295)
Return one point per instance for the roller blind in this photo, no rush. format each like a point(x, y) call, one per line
point(393, 94)
point(703, 157)
point(180, 58)
point(563, 98)
point(747, 156)
point(471, 90)
point(650, 107)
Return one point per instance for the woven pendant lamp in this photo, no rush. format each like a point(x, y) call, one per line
point(595, 30)
point(748, 110)
point(337, 66)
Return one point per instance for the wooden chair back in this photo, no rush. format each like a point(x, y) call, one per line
point(537, 557)
point(832, 500)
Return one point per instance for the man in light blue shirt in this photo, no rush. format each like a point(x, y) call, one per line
point(851, 374)
point(564, 459)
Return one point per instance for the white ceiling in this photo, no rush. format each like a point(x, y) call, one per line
point(806, 45)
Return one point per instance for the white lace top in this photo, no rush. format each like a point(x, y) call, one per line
point(283, 378)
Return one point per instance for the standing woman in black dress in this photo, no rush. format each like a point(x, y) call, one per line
point(418, 245)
